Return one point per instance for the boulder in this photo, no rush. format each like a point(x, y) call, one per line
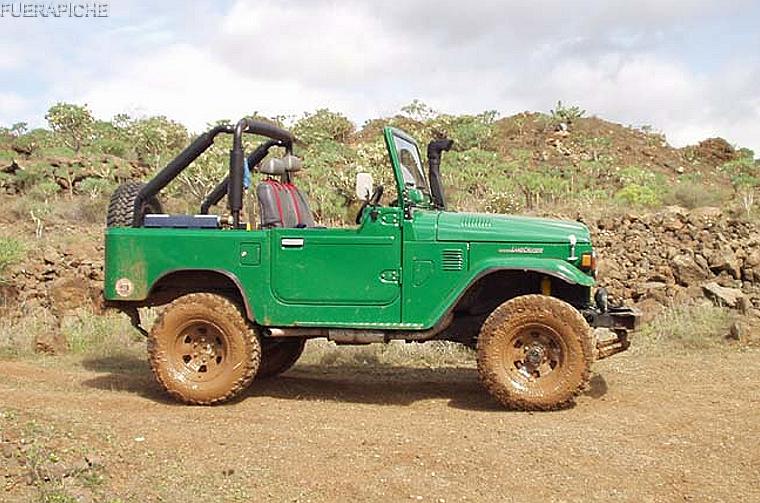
point(69, 293)
point(725, 260)
point(686, 270)
point(722, 296)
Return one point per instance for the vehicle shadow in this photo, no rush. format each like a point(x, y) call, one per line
point(378, 385)
point(125, 373)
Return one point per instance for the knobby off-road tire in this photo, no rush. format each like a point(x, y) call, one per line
point(202, 351)
point(122, 205)
point(535, 353)
point(278, 356)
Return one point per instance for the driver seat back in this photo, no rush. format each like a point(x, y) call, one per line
point(282, 204)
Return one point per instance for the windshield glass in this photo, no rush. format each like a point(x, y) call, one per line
point(411, 165)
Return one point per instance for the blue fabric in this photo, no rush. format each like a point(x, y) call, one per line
point(246, 174)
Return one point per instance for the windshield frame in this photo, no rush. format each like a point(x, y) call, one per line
point(396, 141)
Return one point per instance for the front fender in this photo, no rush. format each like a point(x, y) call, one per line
point(549, 266)
point(556, 268)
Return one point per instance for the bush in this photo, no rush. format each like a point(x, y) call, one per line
point(565, 114)
point(640, 187)
point(323, 125)
point(96, 187)
point(11, 252)
point(694, 195)
point(690, 326)
point(44, 190)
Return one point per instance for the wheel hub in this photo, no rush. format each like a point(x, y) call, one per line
point(200, 350)
point(534, 353)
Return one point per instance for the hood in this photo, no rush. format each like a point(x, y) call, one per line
point(508, 229)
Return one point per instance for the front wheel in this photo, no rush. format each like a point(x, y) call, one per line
point(202, 351)
point(535, 353)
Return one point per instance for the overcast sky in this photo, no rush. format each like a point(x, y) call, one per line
point(688, 68)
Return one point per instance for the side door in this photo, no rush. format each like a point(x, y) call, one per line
point(339, 276)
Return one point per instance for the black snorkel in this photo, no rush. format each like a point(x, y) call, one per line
point(434, 150)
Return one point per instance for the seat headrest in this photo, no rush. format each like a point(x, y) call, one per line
point(272, 166)
point(292, 163)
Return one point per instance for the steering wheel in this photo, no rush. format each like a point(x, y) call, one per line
point(373, 200)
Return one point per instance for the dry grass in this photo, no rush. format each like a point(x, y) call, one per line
point(87, 334)
point(699, 325)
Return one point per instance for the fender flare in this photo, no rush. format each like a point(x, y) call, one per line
point(249, 311)
point(556, 268)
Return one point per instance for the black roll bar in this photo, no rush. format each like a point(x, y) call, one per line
point(200, 145)
point(220, 190)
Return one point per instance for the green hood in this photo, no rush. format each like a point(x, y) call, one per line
point(508, 229)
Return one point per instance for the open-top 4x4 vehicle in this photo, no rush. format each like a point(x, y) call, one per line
point(243, 299)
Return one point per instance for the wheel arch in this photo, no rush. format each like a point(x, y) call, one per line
point(494, 285)
point(173, 284)
point(512, 280)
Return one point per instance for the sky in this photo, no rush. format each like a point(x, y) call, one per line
point(690, 69)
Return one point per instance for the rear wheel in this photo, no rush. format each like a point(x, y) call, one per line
point(202, 351)
point(277, 356)
point(535, 353)
point(121, 207)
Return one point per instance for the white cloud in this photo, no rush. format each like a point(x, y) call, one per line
point(632, 62)
point(13, 108)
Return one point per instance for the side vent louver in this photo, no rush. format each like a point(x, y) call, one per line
point(452, 260)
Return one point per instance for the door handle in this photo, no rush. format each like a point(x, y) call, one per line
point(292, 242)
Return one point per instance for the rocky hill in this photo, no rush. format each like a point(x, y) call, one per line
point(672, 225)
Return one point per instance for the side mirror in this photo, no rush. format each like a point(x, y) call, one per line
point(364, 186)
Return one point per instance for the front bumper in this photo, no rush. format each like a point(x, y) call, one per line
point(620, 321)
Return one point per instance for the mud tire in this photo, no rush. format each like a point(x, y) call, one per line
point(226, 345)
point(555, 326)
point(278, 356)
point(122, 205)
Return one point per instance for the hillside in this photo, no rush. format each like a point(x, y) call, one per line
point(671, 224)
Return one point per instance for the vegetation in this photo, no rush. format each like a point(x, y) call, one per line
point(689, 326)
point(11, 252)
point(558, 162)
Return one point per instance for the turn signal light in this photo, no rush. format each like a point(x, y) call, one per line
point(588, 261)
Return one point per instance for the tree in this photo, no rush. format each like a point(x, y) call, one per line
point(156, 136)
point(745, 177)
point(73, 124)
point(323, 125)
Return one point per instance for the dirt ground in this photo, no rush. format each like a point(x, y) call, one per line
point(682, 427)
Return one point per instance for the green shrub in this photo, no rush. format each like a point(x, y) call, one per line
point(11, 252)
point(44, 190)
point(641, 187)
point(566, 114)
point(638, 195)
point(323, 125)
point(96, 187)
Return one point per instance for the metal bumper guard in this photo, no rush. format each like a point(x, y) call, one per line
point(619, 320)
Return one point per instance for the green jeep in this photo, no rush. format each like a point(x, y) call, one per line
point(242, 299)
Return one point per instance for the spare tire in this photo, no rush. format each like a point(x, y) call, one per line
point(121, 208)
